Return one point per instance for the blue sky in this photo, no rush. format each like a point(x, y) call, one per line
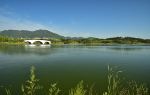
point(97, 18)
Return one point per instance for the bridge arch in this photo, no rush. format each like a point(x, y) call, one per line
point(42, 42)
point(46, 43)
point(38, 42)
point(27, 42)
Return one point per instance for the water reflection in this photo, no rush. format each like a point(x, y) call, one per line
point(48, 49)
point(37, 46)
point(125, 48)
point(128, 48)
point(68, 64)
point(27, 49)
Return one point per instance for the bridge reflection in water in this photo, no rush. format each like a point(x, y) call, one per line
point(37, 46)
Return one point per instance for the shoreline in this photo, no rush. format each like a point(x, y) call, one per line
point(87, 44)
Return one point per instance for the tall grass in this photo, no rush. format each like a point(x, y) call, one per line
point(53, 90)
point(78, 90)
point(114, 82)
point(7, 91)
point(114, 87)
point(31, 85)
point(135, 88)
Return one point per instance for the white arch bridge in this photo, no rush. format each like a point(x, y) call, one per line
point(37, 41)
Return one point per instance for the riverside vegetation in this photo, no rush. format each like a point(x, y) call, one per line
point(114, 87)
point(18, 36)
point(9, 40)
point(81, 41)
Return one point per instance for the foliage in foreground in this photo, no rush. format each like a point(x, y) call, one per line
point(115, 87)
point(78, 90)
point(31, 85)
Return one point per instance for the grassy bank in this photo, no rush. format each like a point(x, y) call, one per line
point(114, 86)
point(81, 41)
point(10, 41)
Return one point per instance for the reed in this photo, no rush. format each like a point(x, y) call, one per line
point(8, 92)
point(114, 87)
point(53, 90)
point(31, 85)
point(78, 90)
point(114, 82)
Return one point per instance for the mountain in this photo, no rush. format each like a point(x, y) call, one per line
point(48, 34)
point(123, 40)
point(30, 34)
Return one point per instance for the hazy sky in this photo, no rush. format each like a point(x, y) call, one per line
point(98, 18)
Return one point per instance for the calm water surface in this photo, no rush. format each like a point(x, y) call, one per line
point(67, 65)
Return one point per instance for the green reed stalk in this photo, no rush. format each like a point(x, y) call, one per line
point(53, 90)
point(32, 84)
point(113, 82)
point(7, 91)
point(78, 90)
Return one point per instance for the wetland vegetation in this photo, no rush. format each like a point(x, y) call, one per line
point(114, 86)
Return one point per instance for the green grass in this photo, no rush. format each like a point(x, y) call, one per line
point(114, 82)
point(114, 87)
point(78, 90)
point(53, 90)
point(31, 85)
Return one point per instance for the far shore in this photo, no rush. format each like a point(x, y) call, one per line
point(80, 44)
point(79, 41)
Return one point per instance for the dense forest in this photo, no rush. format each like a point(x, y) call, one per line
point(16, 36)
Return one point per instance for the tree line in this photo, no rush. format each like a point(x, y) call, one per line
point(80, 40)
point(6, 39)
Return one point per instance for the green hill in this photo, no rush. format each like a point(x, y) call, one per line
point(8, 35)
point(29, 34)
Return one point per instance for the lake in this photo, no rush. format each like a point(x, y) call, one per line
point(67, 65)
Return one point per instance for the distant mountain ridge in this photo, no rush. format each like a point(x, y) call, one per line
point(30, 34)
point(48, 34)
point(11, 35)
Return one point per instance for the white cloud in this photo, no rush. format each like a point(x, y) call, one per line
point(11, 20)
point(24, 24)
point(19, 24)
